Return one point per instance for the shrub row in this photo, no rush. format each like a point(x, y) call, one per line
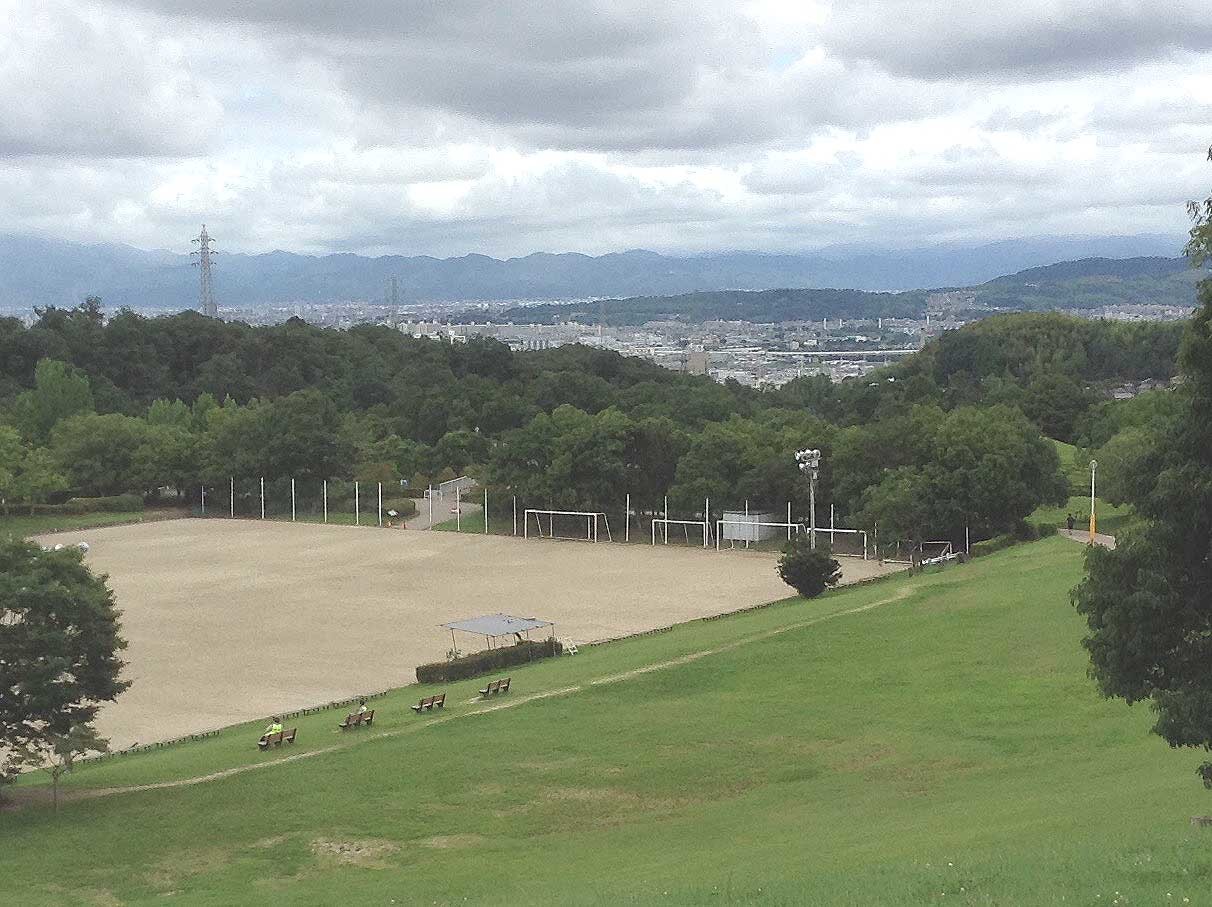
point(489, 660)
point(117, 503)
point(1024, 532)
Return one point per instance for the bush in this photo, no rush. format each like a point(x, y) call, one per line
point(405, 507)
point(487, 661)
point(997, 543)
point(117, 503)
point(809, 571)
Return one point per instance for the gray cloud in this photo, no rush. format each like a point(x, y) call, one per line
point(589, 125)
point(1029, 39)
point(75, 83)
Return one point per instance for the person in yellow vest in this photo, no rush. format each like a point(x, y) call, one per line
point(275, 726)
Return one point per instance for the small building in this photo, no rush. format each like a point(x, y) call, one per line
point(739, 526)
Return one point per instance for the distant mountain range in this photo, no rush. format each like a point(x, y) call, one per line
point(1088, 283)
point(37, 271)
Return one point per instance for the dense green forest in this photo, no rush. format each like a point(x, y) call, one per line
point(948, 439)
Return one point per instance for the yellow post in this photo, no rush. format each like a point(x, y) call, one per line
point(1093, 517)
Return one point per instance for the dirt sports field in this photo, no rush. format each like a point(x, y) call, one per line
point(234, 620)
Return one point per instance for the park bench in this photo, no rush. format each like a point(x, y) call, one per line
point(357, 719)
point(496, 686)
point(268, 740)
point(429, 703)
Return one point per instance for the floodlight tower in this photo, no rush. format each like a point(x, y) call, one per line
point(206, 295)
point(809, 461)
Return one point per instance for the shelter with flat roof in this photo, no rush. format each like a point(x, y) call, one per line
point(494, 626)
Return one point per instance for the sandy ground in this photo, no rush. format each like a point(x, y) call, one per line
point(230, 621)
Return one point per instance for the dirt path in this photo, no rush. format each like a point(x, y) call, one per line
point(512, 703)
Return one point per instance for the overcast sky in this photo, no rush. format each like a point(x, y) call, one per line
point(449, 126)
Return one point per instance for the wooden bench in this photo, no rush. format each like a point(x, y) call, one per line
point(357, 719)
point(429, 703)
point(496, 686)
point(268, 740)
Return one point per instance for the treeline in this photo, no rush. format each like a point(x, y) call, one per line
point(946, 440)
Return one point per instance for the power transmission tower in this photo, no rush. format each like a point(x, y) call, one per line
point(206, 296)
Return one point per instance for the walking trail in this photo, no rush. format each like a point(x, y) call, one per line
point(1083, 536)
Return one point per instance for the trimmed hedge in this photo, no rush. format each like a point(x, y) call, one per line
point(487, 661)
point(117, 503)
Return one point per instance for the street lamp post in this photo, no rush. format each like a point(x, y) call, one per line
point(1093, 519)
point(809, 461)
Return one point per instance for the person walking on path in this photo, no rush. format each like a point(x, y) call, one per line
point(1069, 521)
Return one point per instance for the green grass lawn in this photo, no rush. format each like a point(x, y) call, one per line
point(926, 739)
point(23, 524)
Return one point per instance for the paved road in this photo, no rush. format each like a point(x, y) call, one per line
point(1083, 536)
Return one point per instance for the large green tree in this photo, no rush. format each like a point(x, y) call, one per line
point(60, 648)
point(59, 391)
point(1148, 602)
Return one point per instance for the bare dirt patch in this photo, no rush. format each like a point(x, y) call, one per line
point(368, 854)
point(235, 620)
point(446, 842)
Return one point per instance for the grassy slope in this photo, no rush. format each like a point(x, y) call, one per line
point(945, 742)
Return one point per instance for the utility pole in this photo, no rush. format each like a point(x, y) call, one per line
point(206, 296)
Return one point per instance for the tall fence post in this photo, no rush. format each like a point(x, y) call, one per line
point(486, 510)
point(326, 500)
point(357, 505)
point(706, 521)
point(292, 500)
point(262, 497)
point(231, 496)
point(380, 505)
point(515, 516)
point(788, 521)
point(665, 525)
point(203, 500)
point(458, 510)
point(627, 519)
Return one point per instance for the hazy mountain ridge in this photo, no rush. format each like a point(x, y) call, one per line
point(38, 271)
point(1084, 284)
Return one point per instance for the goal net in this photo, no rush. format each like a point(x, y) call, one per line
point(693, 533)
point(568, 525)
point(844, 542)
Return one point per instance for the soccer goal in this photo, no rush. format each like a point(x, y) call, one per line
point(691, 531)
point(937, 552)
point(568, 525)
point(845, 542)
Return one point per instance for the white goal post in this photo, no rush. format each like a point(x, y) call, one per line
point(662, 521)
point(591, 522)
